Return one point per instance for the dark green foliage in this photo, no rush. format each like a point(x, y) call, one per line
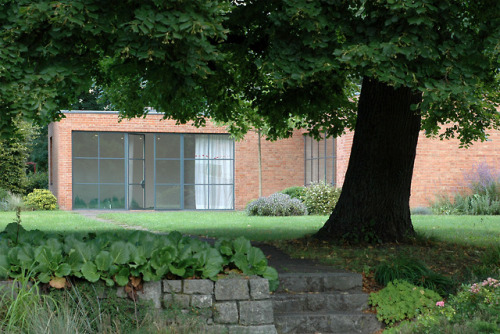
point(277, 204)
point(401, 300)
point(13, 154)
point(3, 194)
point(295, 192)
point(39, 152)
point(40, 180)
point(415, 272)
point(41, 199)
point(106, 257)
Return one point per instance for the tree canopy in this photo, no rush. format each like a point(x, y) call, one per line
point(191, 59)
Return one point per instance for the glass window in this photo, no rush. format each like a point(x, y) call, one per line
point(98, 170)
point(168, 197)
point(168, 171)
point(85, 144)
point(112, 171)
point(111, 145)
point(112, 197)
point(85, 196)
point(168, 146)
point(136, 146)
point(319, 159)
point(85, 171)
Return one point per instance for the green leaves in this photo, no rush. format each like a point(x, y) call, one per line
point(109, 258)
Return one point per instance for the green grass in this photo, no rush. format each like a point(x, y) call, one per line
point(480, 231)
point(56, 221)
point(222, 224)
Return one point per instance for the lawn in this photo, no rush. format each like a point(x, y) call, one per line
point(56, 221)
point(221, 224)
point(479, 231)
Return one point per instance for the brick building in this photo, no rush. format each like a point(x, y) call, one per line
point(97, 162)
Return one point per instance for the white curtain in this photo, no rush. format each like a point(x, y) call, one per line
point(212, 171)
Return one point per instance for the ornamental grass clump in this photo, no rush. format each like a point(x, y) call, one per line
point(277, 204)
point(481, 197)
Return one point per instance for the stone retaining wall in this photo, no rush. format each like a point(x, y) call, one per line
point(230, 305)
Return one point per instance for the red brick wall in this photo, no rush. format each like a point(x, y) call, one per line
point(439, 165)
point(283, 161)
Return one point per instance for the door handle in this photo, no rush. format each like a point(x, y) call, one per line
point(143, 184)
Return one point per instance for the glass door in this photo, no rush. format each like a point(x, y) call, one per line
point(136, 172)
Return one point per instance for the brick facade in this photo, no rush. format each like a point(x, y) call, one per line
point(439, 166)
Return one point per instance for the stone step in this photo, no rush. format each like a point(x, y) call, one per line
point(319, 282)
point(313, 302)
point(326, 322)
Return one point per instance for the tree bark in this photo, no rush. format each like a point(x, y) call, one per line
point(374, 203)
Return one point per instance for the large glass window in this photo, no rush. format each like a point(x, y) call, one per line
point(160, 171)
point(98, 170)
point(319, 160)
point(195, 171)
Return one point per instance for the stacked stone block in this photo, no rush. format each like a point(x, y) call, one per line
point(230, 305)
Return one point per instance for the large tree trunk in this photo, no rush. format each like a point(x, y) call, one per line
point(374, 203)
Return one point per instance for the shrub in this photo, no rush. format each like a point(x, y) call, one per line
point(401, 300)
point(320, 198)
point(474, 309)
point(414, 272)
point(295, 192)
point(39, 180)
point(41, 199)
point(277, 204)
point(3, 194)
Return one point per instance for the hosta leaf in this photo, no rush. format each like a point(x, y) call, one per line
point(89, 271)
point(109, 281)
point(241, 245)
point(121, 278)
point(213, 264)
point(26, 255)
point(179, 271)
point(44, 277)
point(257, 260)
point(241, 262)
point(174, 237)
point(103, 261)
point(272, 275)
point(120, 252)
point(62, 270)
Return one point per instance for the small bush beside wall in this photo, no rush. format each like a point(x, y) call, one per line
point(320, 198)
point(277, 204)
point(295, 192)
point(41, 199)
